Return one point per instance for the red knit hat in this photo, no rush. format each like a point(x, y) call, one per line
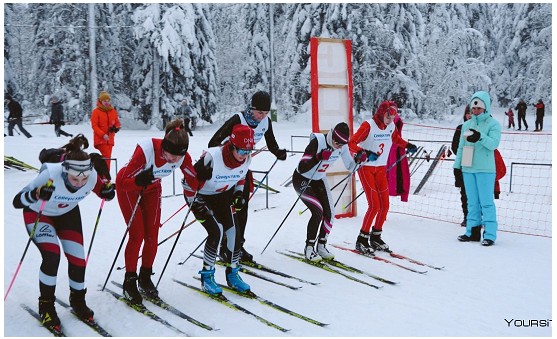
point(242, 137)
point(387, 107)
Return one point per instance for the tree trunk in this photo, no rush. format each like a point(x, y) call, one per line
point(92, 55)
point(155, 114)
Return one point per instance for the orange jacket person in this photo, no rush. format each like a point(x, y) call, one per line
point(105, 124)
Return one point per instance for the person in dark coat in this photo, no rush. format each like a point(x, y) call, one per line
point(57, 117)
point(457, 171)
point(15, 117)
point(521, 112)
point(540, 112)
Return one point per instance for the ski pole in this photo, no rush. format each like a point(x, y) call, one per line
point(176, 241)
point(338, 183)
point(294, 205)
point(172, 216)
point(163, 241)
point(41, 209)
point(261, 182)
point(124, 237)
point(94, 231)
point(192, 252)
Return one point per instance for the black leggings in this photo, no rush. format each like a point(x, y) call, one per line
point(317, 197)
point(68, 229)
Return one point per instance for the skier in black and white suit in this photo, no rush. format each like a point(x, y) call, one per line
point(256, 117)
point(323, 150)
point(61, 186)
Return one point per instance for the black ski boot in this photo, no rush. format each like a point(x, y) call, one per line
point(245, 256)
point(475, 236)
point(130, 289)
point(145, 284)
point(362, 244)
point(77, 302)
point(376, 242)
point(48, 314)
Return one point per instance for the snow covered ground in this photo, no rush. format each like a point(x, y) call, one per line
point(504, 290)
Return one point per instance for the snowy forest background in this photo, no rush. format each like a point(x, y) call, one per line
point(428, 57)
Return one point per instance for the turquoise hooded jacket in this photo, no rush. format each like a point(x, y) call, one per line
point(490, 136)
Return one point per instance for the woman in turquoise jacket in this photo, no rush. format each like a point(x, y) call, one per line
point(475, 157)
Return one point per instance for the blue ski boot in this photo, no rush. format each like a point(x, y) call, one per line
point(208, 283)
point(233, 280)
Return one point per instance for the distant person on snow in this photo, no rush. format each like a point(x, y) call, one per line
point(510, 116)
point(105, 124)
point(214, 192)
point(540, 112)
point(57, 117)
point(521, 112)
point(185, 112)
point(476, 158)
point(309, 180)
point(61, 186)
point(398, 176)
point(373, 140)
point(256, 117)
point(16, 116)
point(152, 160)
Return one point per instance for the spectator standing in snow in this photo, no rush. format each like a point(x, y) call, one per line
point(213, 192)
point(57, 117)
point(510, 115)
point(310, 180)
point(255, 117)
point(398, 176)
point(476, 158)
point(61, 186)
point(16, 116)
point(521, 112)
point(540, 112)
point(185, 112)
point(458, 182)
point(105, 124)
point(373, 140)
point(152, 160)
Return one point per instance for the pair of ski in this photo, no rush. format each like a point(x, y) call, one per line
point(394, 255)
point(57, 331)
point(162, 304)
point(332, 265)
point(221, 298)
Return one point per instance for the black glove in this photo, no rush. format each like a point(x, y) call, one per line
point(238, 201)
point(475, 136)
point(145, 178)
point(100, 166)
point(411, 148)
point(280, 154)
point(113, 129)
point(360, 157)
point(108, 191)
point(204, 172)
point(458, 181)
point(200, 210)
point(62, 123)
point(45, 192)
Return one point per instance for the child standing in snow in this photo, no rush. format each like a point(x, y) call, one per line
point(510, 115)
point(373, 140)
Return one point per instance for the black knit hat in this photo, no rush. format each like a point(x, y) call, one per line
point(341, 133)
point(261, 101)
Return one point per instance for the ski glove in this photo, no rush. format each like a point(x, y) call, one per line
point(108, 191)
point(475, 136)
point(280, 154)
point(371, 156)
point(145, 178)
point(324, 154)
point(203, 172)
point(45, 192)
point(360, 157)
point(114, 129)
point(200, 210)
point(411, 148)
point(238, 201)
point(100, 166)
